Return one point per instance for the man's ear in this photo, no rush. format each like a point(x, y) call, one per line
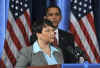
point(45, 17)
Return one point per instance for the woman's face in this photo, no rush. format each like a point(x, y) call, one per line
point(47, 34)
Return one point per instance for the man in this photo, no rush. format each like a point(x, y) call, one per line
point(65, 40)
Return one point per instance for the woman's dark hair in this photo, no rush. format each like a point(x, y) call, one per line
point(37, 27)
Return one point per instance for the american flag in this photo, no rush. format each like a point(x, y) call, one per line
point(17, 33)
point(82, 26)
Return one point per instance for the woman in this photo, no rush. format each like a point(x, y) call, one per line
point(41, 52)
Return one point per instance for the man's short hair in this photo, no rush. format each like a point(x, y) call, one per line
point(52, 6)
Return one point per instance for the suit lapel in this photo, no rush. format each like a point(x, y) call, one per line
point(57, 55)
point(61, 37)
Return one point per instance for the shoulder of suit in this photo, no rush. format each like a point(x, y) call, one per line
point(68, 33)
point(26, 49)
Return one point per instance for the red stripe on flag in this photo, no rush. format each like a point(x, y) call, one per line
point(28, 19)
point(9, 53)
point(13, 36)
point(91, 21)
point(2, 65)
point(90, 42)
point(22, 28)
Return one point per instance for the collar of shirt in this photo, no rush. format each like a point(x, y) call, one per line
point(36, 48)
point(57, 35)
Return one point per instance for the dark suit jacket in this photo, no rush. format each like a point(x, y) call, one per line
point(66, 43)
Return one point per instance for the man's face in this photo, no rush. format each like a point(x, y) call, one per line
point(54, 16)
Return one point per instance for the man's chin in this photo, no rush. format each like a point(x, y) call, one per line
point(56, 25)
